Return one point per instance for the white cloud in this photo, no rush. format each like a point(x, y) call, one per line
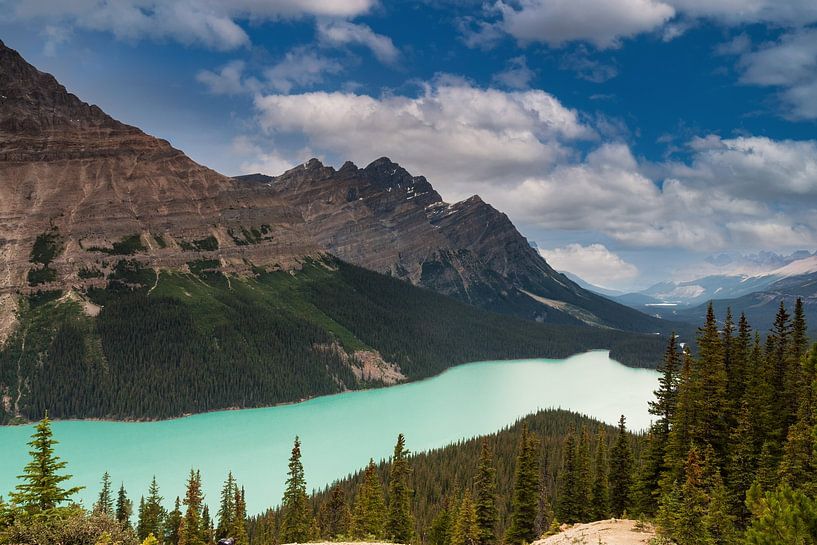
point(605, 23)
point(344, 32)
point(789, 64)
point(229, 80)
point(735, 12)
point(520, 151)
point(601, 22)
point(300, 67)
point(593, 263)
point(516, 75)
point(453, 132)
point(209, 23)
point(257, 159)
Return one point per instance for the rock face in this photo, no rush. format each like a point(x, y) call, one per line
point(73, 174)
point(383, 218)
point(81, 192)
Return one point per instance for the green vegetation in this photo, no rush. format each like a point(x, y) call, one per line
point(41, 276)
point(207, 244)
point(128, 245)
point(46, 247)
point(173, 343)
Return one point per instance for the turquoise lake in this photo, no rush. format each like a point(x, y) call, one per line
point(339, 433)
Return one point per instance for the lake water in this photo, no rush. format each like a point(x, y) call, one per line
point(339, 433)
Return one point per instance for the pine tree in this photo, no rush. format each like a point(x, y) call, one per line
point(173, 523)
point(104, 503)
point(193, 533)
point(584, 476)
point(296, 512)
point(369, 520)
point(688, 521)
point(719, 523)
point(41, 488)
point(711, 415)
point(567, 506)
point(226, 511)
point(466, 530)
point(779, 361)
point(238, 527)
point(439, 533)
point(400, 526)
point(124, 507)
point(485, 484)
point(782, 516)
point(334, 517)
point(600, 502)
point(621, 471)
point(680, 431)
point(525, 498)
point(208, 533)
point(742, 464)
point(151, 513)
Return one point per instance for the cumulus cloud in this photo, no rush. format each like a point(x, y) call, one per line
point(605, 23)
point(452, 131)
point(593, 263)
point(229, 80)
point(601, 22)
point(300, 67)
point(733, 12)
point(789, 64)
point(344, 33)
point(208, 23)
point(520, 150)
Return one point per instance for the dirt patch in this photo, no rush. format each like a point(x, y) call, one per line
point(372, 367)
point(8, 316)
point(603, 532)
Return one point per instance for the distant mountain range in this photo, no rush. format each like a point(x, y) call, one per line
point(773, 279)
point(126, 263)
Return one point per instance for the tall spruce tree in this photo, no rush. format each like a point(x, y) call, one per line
point(466, 530)
point(369, 522)
point(226, 511)
point(296, 521)
point(485, 484)
point(104, 502)
point(525, 495)
point(621, 471)
point(151, 513)
point(41, 487)
point(600, 501)
point(124, 507)
point(238, 527)
point(567, 506)
point(711, 415)
point(400, 526)
point(173, 523)
point(191, 529)
point(334, 517)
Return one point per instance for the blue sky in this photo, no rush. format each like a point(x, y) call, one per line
point(629, 138)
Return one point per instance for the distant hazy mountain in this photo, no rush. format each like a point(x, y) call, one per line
point(758, 295)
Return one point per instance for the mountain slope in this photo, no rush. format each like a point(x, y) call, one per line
point(181, 342)
point(383, 218)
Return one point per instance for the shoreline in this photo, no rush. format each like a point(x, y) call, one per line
point(306, 399)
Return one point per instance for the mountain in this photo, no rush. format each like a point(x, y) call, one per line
point(387, 220)
point(591, 287)
point(731, 277)
point(140, 284)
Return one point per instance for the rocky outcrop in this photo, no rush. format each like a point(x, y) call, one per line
point(73, 174)
point(383, 218)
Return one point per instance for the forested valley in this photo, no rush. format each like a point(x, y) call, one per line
point(729, 459)
point(170, 343)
